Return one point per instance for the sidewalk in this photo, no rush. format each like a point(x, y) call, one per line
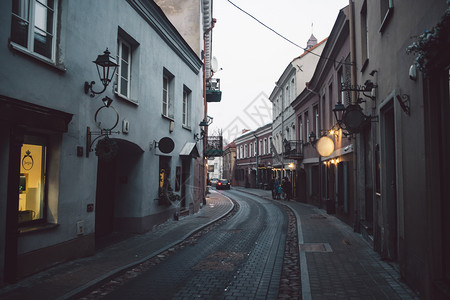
point(69, 279)
point(337, 263)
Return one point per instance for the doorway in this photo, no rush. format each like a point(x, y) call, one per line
point(185, 172)
point(104, 212)
point(389, 183)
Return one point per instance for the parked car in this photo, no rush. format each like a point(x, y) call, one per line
point(223, 184)
point(214, 181)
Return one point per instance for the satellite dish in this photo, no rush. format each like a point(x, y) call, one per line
point(214, 64)
point(166, 145)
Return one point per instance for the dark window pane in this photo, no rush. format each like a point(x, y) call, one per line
point(21, 8)
point(124, 70)
point(125, 52)
point(124, 87)
point(19, 31)
point(43, 44)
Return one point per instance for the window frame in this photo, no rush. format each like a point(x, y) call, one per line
point(29, 49)
point(300, 128)
point(265, 146)
point(316, 120)
point(169, 104)
point(270, 145)
point(389, 10)
point(186, 114)
point(122, 42)
point(292, 89)
point(364, 36)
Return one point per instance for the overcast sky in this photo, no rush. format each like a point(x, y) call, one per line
point(253, 57)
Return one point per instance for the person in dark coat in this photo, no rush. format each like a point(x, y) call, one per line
point(287, 187)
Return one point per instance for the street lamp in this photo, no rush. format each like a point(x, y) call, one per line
point(106, 68)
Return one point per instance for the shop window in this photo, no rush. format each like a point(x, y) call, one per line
point(32, 198)
point(33, 26)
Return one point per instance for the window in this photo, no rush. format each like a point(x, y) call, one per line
point(293, 89)
point(386, 9)
point(32, 198)
point(265, 146)
point(323, 110)
point(124, 69)
point(364, 36)
point(300, 129)
point(186, 107)
point(33, 26)
point(287, 96)
point(167, 100)
point(316, 120)
point(307, 124)
point(260, 147)
point(245, 151)
point(254, 148)
point(250, 149)
point(241, 152)
point(331, 105)
point(270, 145)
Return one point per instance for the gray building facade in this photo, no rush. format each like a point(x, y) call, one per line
point(86, 167)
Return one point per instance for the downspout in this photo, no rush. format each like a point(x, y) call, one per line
point(207, 6)
point(354, 101)
point(352, 50)
point(257, 152)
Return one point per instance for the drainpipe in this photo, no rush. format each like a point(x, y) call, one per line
point(352, 49)
point(354, 99)
point(257, 150)
point(205, 103)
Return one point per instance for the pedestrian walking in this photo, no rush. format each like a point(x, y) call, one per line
point(287, 187)
point(276, 191)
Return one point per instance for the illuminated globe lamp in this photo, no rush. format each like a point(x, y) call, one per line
point(325, 146)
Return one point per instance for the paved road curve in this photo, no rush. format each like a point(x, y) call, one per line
point(242, 258)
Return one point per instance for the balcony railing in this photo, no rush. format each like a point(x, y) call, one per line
point(213, 92)
point(293, 149)
point(214, 146)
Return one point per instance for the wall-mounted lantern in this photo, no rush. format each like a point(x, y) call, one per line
point(106, 68)
point(351, 119)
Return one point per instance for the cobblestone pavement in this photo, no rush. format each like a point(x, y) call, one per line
point(341, 264)
point(336, 262)
point(123, 252)
point(239, 259)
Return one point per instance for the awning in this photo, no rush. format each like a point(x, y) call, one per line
point(31, 115)
point(189, 151)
